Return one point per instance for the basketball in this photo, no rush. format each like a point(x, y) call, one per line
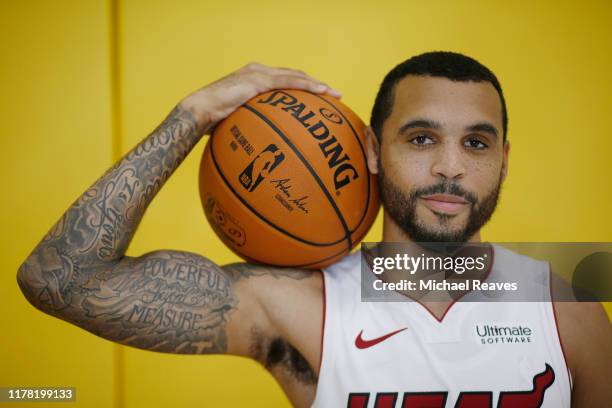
point(284, 180)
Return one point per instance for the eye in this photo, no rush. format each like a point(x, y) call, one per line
point(421, 140)
point(475, 144)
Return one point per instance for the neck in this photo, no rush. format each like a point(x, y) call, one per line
point(393, 233)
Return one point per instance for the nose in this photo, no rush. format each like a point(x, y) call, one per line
point(448, 162)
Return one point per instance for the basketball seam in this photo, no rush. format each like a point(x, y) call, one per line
point(254, 211)
point(309, 168)
point(365, 160)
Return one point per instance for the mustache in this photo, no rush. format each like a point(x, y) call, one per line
point(445, 188)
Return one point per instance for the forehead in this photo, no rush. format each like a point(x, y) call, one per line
point(448, 102)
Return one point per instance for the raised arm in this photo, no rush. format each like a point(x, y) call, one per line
point(167, 301)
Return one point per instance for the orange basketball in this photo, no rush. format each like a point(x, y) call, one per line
point(284, 180)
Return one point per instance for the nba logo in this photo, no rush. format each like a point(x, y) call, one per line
point(261, 167)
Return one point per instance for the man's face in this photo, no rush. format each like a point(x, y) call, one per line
point(442, 159)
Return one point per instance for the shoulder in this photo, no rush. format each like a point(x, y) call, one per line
point(284, 296)
point(586, 334)
point(288, 304)
point(262, 278)
point(507, 257)
point(582, 320)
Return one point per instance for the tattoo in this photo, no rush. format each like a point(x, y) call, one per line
point(47, 278)
point(166, 300)
point(101, 223)
point(280, 354)
point(243, 270)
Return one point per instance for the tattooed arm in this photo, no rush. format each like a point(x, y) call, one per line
point(168, 301)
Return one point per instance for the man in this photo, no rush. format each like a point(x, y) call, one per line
point(438, 143)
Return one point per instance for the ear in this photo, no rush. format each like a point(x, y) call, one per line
point(372, 149)
point(505, 159)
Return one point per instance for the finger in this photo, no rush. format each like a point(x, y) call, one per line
point(253, 67)
point(291, 72)
point(258, 67)
point(334, 92)
point(285, 71)
point(297, 82)
point(306, 83)
point(330, 91)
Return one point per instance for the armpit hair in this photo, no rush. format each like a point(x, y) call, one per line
point(274, 353)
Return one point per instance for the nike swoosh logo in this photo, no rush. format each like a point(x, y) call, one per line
point(360, 343)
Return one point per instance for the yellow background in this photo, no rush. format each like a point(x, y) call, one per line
point(83, 81)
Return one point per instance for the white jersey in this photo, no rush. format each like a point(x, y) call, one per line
point(479, 355)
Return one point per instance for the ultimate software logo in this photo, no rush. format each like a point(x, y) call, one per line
point(261, 167)
point(503, 334)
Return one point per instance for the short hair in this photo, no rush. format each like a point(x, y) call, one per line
point(451, 65)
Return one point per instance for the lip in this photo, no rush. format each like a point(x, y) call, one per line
point(444, 203)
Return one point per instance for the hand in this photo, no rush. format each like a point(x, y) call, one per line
point(216, 101)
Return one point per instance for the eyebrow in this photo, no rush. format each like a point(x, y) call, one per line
point(419, 123)
point(484, 127)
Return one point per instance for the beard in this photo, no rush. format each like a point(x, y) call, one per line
point(401, 207)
